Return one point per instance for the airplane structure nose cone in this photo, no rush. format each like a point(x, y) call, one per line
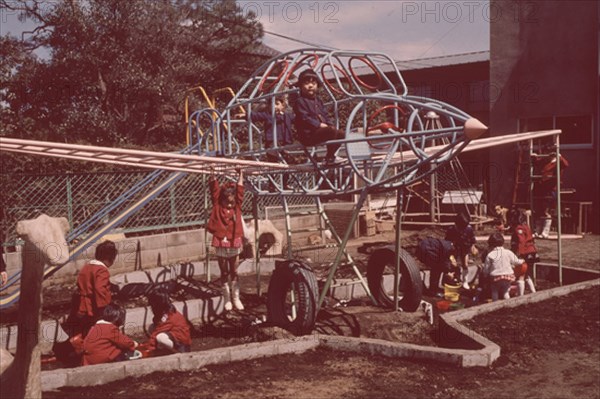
point(474, 128)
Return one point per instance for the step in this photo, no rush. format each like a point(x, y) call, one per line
point(314, 247)
point(307, 230)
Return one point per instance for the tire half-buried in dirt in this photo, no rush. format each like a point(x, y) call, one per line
point(410, 284)
point(292, 297)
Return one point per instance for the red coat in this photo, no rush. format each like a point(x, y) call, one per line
point(174, 323)
point(522, 242)
point(104, 342)
point(93, 282)
point(225, 222)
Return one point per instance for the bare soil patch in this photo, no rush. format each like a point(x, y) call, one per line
point(548, 350)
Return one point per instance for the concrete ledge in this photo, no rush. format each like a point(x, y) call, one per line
point(455, 335)
point(390, 349)
point(104, 373)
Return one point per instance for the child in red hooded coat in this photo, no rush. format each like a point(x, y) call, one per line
point(523, 245)
point(170, 330)
point(104, 343)
point(227, 227)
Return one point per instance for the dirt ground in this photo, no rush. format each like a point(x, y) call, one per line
point(549, 350)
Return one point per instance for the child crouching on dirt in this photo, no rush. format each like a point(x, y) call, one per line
point(170, 330)
point(523, 245)
point(104, 343)
point(461, 234)
point(438, 255)
point(498, 266)
point(227, 227)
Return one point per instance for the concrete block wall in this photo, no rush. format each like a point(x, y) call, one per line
point(147, 252)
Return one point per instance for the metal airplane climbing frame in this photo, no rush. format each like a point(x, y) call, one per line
point(387, 144)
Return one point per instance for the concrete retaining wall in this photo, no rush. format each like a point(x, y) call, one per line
point(104, 373)
point(147, 252)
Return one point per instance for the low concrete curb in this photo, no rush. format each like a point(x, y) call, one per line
point(104, 373)
point(454, 335)
point(459, 357)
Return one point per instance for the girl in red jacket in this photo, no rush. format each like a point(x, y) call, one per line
point(104, 343)
point(171, 330)
point(93, 283)
point(226, 225)
point(523, 245)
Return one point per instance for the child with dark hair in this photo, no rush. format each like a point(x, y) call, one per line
point(226, 225)
point(312, 122)
point(281, 122)
point(438, 255)
point(463, 238)
point(93, 283)
point(498, 266)
point(170, 330)
point(104, 343)
point(522, 244)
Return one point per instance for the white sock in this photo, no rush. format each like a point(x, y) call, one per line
point(530, 285)
point(164, 341)
point(521, 287)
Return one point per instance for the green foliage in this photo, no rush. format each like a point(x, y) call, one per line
point(119, 71)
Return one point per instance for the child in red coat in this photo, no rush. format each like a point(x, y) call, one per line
point(226, 225)
point(523, 245)
point(171, 330)
point(104, 343)
point(93, 284)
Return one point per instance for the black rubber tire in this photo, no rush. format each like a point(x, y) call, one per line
point(299, 277)
point(411, 285)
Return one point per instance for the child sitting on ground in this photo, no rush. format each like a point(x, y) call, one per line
point(104, 343)
point(523, 245)
point(312, 122)
point(170, 330)
point(498, 266)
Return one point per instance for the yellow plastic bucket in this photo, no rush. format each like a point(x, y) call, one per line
point(451, 292)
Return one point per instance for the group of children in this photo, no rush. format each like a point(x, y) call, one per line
point(310, 118)
point(501, 267)
point(96, 319)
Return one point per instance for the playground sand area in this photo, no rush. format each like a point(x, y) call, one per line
point(549, 350)
point(541, 343)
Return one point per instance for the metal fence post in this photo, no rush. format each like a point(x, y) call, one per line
point(69, 200)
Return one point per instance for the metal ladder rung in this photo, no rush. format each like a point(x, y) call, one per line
point(307, 230)
point(345, 283)
point(313, 247)
point(303, 213)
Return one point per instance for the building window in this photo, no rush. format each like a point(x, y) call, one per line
point(576, 129)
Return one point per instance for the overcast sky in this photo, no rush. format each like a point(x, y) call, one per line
point(403, 29)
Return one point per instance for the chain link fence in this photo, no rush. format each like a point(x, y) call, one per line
point(80, 196)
